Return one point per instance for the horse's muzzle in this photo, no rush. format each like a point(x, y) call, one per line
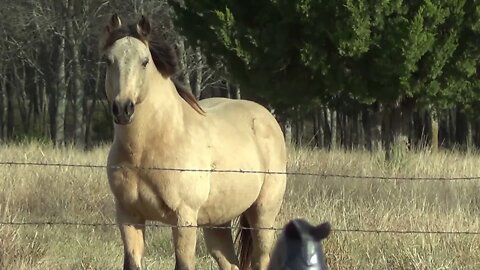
point(123, 112)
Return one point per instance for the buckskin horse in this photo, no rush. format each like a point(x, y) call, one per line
point(158, 123)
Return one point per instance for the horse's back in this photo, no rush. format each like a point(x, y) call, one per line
point(246, 121)
point(225, 109)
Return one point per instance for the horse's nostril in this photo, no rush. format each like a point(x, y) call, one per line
point(129, 108)
point(115, 109)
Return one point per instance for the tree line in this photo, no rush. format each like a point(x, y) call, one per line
point(335, 73)
point(52, 77)
point(368, 73)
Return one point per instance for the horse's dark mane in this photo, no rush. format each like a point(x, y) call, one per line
point(187, 96)
point(163, 55)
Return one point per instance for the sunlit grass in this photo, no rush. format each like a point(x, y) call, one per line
point(81, 194)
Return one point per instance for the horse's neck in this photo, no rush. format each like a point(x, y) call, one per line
point(159, 118)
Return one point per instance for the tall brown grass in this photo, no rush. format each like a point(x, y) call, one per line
point(30, 193)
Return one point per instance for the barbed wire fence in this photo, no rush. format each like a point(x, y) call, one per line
point(319, 175)
point(100, 224)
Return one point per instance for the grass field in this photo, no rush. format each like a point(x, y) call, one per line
point(82, 195)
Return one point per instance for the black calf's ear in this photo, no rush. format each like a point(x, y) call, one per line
point(143, 27)
point(321, 231)
point(291, 231)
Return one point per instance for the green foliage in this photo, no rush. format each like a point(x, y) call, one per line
point(295, 52)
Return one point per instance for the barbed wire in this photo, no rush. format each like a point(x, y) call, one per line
point(157, 225)
point(318, 174)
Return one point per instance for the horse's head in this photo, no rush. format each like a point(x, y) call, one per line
point(131, 59)
point(299, 247)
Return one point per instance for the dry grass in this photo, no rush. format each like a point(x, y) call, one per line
point(82, 194)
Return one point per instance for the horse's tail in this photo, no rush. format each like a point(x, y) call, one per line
point(244, 239)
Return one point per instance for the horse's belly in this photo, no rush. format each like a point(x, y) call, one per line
point(229, 197)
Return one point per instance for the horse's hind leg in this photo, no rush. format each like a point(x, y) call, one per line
point(220, 245)
point(262, 215)
point(132, 230)
point(262, 238)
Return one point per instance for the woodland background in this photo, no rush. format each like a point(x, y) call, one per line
point(379, 78)
point(336, 74)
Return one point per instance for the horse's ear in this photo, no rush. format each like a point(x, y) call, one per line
point(113, 23)
point(143, 27)
point(321, 231)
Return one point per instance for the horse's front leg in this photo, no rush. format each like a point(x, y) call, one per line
point(132, 230)
point(185, 239)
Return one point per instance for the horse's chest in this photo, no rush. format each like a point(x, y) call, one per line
point(140, 192)
point(124, 185)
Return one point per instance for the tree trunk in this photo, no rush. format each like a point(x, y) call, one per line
point(402, 117)
point(3, 103)
point(228, 87)
point(298, 129)
point(236, 92)
point(333, 129)
point(452, 124)
point(327, 135)
point(469, 140)
point(476, 136)
point(398, 130)
point(464, 130)
point(35, 104)
point(444, 129)
point(44, 108)
point(79, 95)
point(20, 88)
point(182, 63)
point(376, 128)
point(341, 129)
point(318, 127)
point(287, 126)
point(356, 131)
point(422, 128)
point(233, 91)
point(372, 118)
point(91, 110)
point(197, 86)
point(434, 131)
point(346, 131)
point(387, 133)
point(366, 123)
point(461, 128)
point(61, 96)
point(10, 108)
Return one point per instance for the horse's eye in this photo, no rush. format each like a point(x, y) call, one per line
point(145, 62)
